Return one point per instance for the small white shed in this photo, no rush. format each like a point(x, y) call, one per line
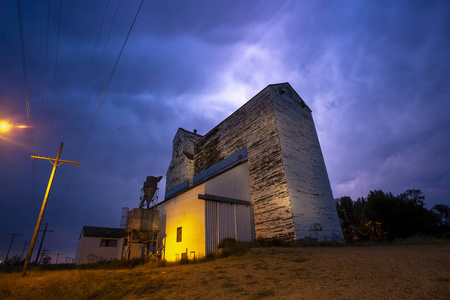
point(99, 244)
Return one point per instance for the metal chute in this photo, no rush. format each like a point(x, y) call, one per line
point(149, 190)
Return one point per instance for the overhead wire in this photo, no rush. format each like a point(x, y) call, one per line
point(108, 83)
point(99, 63)
point(87, 77)
point(45, 87)
point(91, 125)
point(27, 100)
point(72, 134)
point(54, 74)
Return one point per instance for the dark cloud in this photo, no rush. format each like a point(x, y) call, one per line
point(374, 74)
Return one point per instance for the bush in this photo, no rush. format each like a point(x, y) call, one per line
point(274, 242)
point(230, 246)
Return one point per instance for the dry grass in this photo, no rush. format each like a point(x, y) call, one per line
point(384, 272)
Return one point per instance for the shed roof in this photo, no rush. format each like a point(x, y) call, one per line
point(91, 231)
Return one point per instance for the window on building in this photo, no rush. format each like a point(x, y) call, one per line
point(178, 234)
point(108, 243)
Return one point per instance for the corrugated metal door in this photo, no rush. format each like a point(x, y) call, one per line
point(243, 223)
point(226, 221)
point(211, 227)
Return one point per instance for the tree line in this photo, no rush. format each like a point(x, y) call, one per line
point(383, 216)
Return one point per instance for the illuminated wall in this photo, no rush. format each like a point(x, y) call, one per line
point(187, 212)
point(216, 209)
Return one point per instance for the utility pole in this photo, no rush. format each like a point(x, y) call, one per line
point(45, 253)
point(57, 256)
point(24, 246)
point(55, 162)
point(42, 241)
point(12, 240)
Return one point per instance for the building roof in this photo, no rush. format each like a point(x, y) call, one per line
point(91, 231)
point(190, 132)
point(223, 199)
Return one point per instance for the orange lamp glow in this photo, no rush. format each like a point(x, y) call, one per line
point(5, 126)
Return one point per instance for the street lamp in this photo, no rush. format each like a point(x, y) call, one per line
point(6, 126)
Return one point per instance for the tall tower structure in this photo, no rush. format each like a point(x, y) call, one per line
point(290, 190)
point(181, 169)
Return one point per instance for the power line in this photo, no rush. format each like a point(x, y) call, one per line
point(54, 78)
point(45, 129)
point(24, 69)
point(27, 99)
point(69, 181)
point(88, 71)
point(84, 143)
point(109, 81)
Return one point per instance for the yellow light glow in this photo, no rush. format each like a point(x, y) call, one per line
point(5, 126)
point(22, 126)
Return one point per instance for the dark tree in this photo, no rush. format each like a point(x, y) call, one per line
point(345, 210)
point(383, 215)
point(443, 212)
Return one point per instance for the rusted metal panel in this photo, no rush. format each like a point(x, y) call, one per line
point(142, 220)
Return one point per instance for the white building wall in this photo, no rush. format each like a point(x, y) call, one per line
point(289, 185)
point(231, 184)
point(254, 126)
point(312, 203)
point(91, 246)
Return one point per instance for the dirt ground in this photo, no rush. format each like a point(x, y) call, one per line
point(377, 272)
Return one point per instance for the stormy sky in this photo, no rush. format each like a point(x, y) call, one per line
point(374, 73)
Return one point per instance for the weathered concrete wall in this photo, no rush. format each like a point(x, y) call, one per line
point(254, 126)
point(310, 194)
point(288, 179)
